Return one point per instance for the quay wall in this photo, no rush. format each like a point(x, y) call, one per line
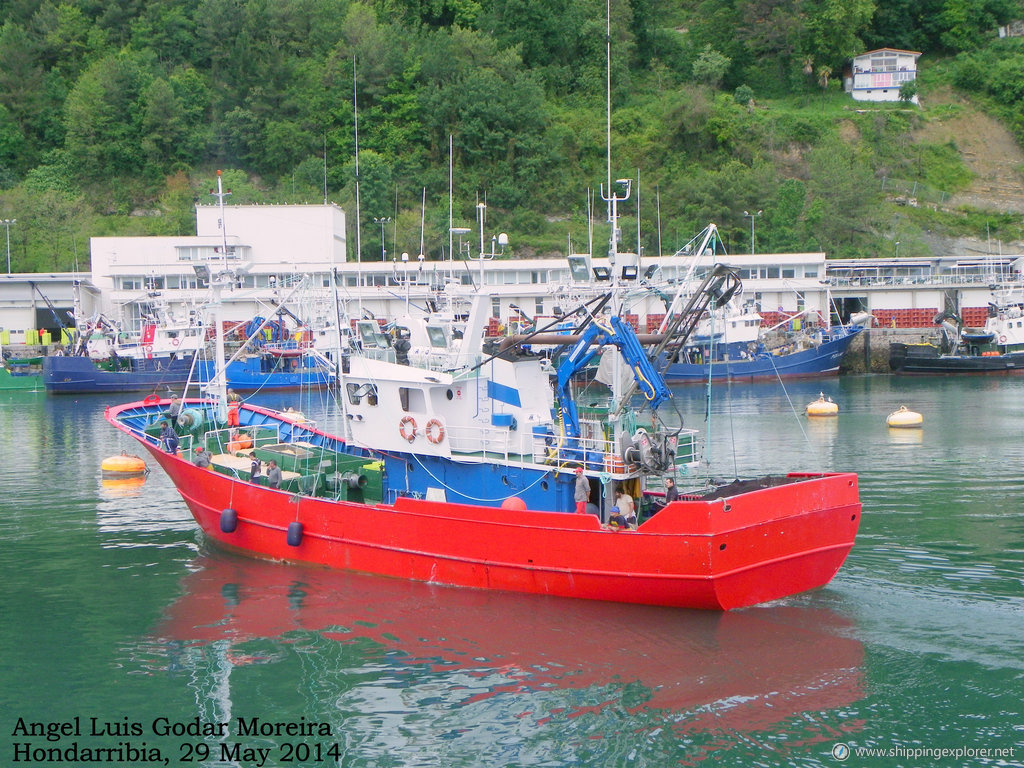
point(869, 352)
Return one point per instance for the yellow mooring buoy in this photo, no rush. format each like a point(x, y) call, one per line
point(903, 418)
point(124, 465)
point(822, 407)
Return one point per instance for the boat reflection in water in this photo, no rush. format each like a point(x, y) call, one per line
point(699, 670)
point(122, 487)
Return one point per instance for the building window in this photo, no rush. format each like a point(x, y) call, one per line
point(789, 272)
point(495, 306)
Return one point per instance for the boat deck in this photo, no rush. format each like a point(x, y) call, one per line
point(240, 463)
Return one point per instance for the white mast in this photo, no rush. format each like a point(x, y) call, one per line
point(613, 200)
point(451, 223)
point(608, 90)
point(218, 387)
point(359, 244)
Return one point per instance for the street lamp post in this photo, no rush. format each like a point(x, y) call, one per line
point(752, 216)
point(382, 221)
point(7, 223)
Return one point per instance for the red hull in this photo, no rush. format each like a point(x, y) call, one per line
point(721, 554)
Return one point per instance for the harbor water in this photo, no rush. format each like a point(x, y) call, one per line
point(128, 640)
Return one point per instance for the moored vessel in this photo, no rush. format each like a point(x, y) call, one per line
point(998, 348)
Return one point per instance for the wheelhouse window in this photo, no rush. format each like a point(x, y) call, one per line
point(412, 399)
point(358, 392)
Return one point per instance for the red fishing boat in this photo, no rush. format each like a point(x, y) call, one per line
point(474, 472)
point(469, 480)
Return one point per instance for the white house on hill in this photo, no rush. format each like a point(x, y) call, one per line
point(878, 75)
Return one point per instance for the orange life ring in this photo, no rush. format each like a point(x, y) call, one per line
point(407, 428)
point(150, 399)
point(434, 436)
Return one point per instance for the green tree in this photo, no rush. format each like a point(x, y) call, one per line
point(67, 38)
point(710, 67)
point(434, 13)
point(966, 23)
point(832, 30)
point(21, 76)
point(104, 118)
point(908, 91)
point(162, 126)
point(843, 195)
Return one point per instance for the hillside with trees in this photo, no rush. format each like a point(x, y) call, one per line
point(115, 116)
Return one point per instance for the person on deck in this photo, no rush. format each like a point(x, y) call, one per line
point(273, 475)
point(582, 493)
point(169, 438)
point(202, 457)
point(173, 410)
point(254, 471)
point(617, 520)
point(234, 401)
point(625, 504)
point(671, 491)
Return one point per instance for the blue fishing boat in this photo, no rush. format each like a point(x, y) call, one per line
point(65, 375)
point(273, 369)
point(810, 356)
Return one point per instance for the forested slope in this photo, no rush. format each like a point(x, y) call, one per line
point(114, 117)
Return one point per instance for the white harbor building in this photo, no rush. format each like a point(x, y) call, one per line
point(287, 254)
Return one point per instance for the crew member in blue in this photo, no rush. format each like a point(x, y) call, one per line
point(616, 519)
point(169, 438)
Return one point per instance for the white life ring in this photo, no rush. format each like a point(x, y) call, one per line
point(1002, 339)
point(175, 341)
point(434, 431)
point(148, 349)
point(407, 428)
